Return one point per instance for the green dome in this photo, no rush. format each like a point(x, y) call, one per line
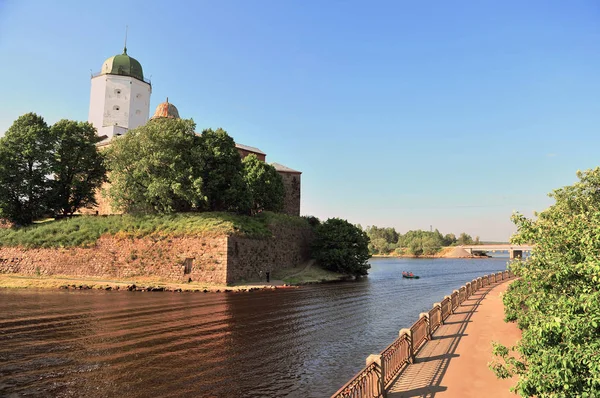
point(124, 65)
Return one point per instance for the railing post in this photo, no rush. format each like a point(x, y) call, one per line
point(378, 359)
point(457, 299)
point(427, 323)
point(450, 301)
point(411, 351)
point(439, 310)
point(468, 285)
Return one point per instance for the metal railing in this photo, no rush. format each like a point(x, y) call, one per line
point(381, 369)
point(395, 356)
point(364, 384)
point(419, 333)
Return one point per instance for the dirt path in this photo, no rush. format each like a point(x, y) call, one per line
point(454, 362)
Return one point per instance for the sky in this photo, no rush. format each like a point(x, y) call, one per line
point(412, 115)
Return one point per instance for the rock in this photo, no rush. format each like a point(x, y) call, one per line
point(63, 287)
point(108, 288)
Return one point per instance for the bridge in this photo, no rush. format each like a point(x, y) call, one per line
point(514, 251)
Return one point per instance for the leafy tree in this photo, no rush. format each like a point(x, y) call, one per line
point(341, 247)
point(464, 239)
point(25, 158)
point(556, 301)
point(77, 166)
point(157, 168)
point(264, 183)
point(222, 173)
point(449, 239)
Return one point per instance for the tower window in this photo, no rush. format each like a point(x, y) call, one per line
point(138, 96)
point(116, 107)
point(138, 112)
point(117, 91)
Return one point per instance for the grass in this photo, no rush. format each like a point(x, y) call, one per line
point(84, 231)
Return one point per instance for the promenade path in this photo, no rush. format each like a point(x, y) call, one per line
point(454, 362)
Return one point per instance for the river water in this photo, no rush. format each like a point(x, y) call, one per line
point(304, 342)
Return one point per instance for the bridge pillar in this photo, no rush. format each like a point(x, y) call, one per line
point(515, 254)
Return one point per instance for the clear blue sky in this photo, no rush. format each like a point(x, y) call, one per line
point(398, 113)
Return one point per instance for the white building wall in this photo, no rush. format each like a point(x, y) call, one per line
point(118, 103)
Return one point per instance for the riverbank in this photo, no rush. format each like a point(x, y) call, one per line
point(307, 273)
point(445, 252)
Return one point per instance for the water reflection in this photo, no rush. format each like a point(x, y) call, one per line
point(303, 342)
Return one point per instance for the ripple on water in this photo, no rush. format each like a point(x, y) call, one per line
point(303, 342)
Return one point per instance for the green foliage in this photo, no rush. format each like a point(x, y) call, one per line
point(556, 302)
point(341, 247)
point(85, 230)
point(465, 239)
point(156, 168)
point(222, 173)
point(264, 183)
point(414, 242)
point(25, 164)
point(77, 167)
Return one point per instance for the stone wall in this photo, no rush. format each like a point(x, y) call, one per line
point(125, 259)
point(251, 259)
point(219, 260)
point(291, 200)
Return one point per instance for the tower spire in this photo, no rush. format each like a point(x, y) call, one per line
point(125, 47)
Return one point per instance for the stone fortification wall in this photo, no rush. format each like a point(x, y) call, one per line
point(125, 259)
point(291, 199)
point(219, 260)
point(251, 259)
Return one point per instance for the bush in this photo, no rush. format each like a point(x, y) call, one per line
point(556, 302)
point(341, 247)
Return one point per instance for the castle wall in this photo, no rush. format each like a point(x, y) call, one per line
point(251, 259)
point(125, 259)
point(291, 199)
point(220, 260)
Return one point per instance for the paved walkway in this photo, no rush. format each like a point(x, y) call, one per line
point(454, 362)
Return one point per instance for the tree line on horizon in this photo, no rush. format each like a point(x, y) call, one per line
point(386, 240)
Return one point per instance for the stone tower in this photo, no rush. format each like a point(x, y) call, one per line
point(120, 96)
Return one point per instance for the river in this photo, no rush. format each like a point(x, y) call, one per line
point(304, 342)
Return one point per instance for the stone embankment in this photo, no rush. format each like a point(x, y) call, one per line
point(219, 260)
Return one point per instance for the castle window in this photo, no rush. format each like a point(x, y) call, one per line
point(116, 107)
point(138, 112)
point(138, 96)
point(117, 91)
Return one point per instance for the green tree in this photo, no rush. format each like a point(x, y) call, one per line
point(556, 301)
point(341, 247)
point(25, 156)
point(77, 167)
point(264, 183)
point(223, 173)
point(464, 239)
point(157, 168)
point(449, 239)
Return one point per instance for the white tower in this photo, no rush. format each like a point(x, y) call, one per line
point(120, 96)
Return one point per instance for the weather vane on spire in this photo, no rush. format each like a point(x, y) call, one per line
point(125, 48)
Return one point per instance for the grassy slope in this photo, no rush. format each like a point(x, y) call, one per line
point(85, 230)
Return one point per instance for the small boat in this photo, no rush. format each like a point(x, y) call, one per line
point(409, 275)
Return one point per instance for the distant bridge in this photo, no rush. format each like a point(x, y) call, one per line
point(514, 251)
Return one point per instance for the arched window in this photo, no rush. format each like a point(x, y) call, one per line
point(116, 107)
